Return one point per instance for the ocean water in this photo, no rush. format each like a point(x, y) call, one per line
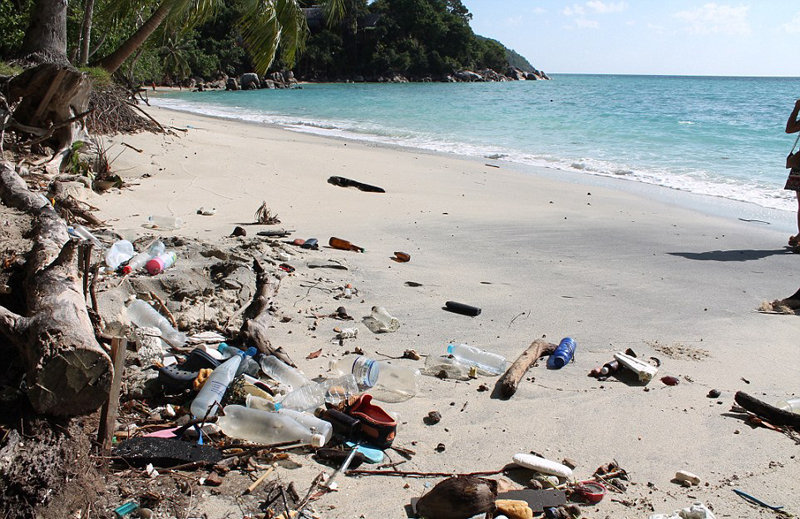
point(717, 136)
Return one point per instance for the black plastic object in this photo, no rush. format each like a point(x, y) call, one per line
point(537, 500)
point(461, 308)
point(335, 457)
point(346, 182)
point(164, 452)
point(343, 424)
point(310, 243)
point(179, 377)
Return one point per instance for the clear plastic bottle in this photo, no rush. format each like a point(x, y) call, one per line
point(83, 233)
point(314, 424)
point(381, 321)
point(446, 366)
point(386, 382)
point(161, 263)
point(305, 398)
point(283, 373)
point(257, 426)
point(792, 405)
point(210, 395)
point(119, 253)
point(488, 363)
point(341, 389)
point(141, 314)
point(165, 223)
point(248, 365)
point(139, 260)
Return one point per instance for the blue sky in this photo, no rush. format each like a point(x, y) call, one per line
point(749, 38)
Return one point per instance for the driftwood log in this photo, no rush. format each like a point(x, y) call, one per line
point(51, 100)
point(770, 413)
point(509, 382)
point(257, 316)
point(67, 372)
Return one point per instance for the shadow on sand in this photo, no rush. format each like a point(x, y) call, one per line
point(732, 255)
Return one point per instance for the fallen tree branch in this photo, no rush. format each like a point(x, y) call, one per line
point(509, 382)
point(67, 372)
point(257, 318)
point(770, 413)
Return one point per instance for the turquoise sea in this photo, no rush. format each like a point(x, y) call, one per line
point(718, 136)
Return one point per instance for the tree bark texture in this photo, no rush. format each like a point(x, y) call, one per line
point(113, 61)
point(46, 37)
point(67, 372)
point(86, 32)
point(257, 318)
point(49, 96)
point(510, 380)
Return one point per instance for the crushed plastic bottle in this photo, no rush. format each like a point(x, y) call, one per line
point(381, 321)
point(305, 398)
point(266, 427)
point(488, 363)
point(119, 253)
point(206, 403)
point(141, 314)
point(282, 373)
point(447, 366)
point(139, 260)
point(164, 223)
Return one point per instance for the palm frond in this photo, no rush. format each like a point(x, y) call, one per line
point(334, 11)
point(267, 24)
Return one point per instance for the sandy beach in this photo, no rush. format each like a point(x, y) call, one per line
point(543, 258)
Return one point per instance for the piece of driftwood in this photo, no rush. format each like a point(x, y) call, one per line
point(346, 182)
point(257, 318)
point(52, 100)
point(67, 372)
point(770, 413)
point(509, 382)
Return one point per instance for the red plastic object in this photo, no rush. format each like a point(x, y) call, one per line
point(591, 491)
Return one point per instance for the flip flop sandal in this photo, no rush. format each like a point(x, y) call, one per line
point(179, 377)
point(378, 428)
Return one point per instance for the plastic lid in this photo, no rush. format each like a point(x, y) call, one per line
point(251, 351)
point(222, 347)
point(450, 349)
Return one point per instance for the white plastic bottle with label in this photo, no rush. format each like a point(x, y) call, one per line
point(283, 373)
point(257, 426)
point(213, 390)
point(143, 315)
point(386, 382)
point(488, 363)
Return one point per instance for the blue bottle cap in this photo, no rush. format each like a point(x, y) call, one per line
point(450, 349)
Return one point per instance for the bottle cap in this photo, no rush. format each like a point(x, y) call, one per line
point(450, 348)
point(251, 351)
point(317, 440)
point(127, 270)
point(222, 347)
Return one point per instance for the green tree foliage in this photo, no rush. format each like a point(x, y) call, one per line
point(13, 22)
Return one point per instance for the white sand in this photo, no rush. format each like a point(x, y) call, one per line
point(542, 258)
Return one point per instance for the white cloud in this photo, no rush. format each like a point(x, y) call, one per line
point(793, 27)
point(574, 10)
point(715, 18)
point(514, 21)
point(539, 10)
point(603, 8)
point(583, 23)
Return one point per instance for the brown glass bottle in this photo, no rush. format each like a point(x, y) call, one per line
point(338, 243)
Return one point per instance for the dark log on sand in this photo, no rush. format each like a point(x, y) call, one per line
point(510, 380)
point(257, 318)
point(67, 372)
point(770, 413)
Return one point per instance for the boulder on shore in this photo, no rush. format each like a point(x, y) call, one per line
point(250, 81)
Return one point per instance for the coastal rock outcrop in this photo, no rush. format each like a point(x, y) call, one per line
point(250, 81)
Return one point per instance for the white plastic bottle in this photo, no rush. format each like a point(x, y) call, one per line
point(139, 260)
point(488, 363)
point(792, 405)
point(141, 314)
point(386, 382)
point(161, 263)
point(257, 426)
point(248, 365)
point(213, 390)
point(310, 396)
point(164, 223)
point(451, 367)
point(283, 373)
point(314, 424)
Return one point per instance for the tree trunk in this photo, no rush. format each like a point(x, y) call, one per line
point(113, 61)
point(86, 32)
point(46, 37)
point(67, 372)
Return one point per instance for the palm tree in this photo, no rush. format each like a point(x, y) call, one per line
point(264, 25)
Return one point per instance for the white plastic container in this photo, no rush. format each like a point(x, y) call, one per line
point(164, 223)
point(643, 370)
point(545, 466)
point(282, 373)
point(314, 424)
point(386, 382)
point(139, 260)
point(257, 426)
point(213, 390)
point(488, 363)
point(141, 314)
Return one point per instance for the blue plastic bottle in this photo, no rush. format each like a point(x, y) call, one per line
point(563, 354)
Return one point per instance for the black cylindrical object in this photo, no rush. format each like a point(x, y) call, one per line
point(343, 424)
point(461, 308)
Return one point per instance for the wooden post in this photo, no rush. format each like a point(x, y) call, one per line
point(108, 415)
